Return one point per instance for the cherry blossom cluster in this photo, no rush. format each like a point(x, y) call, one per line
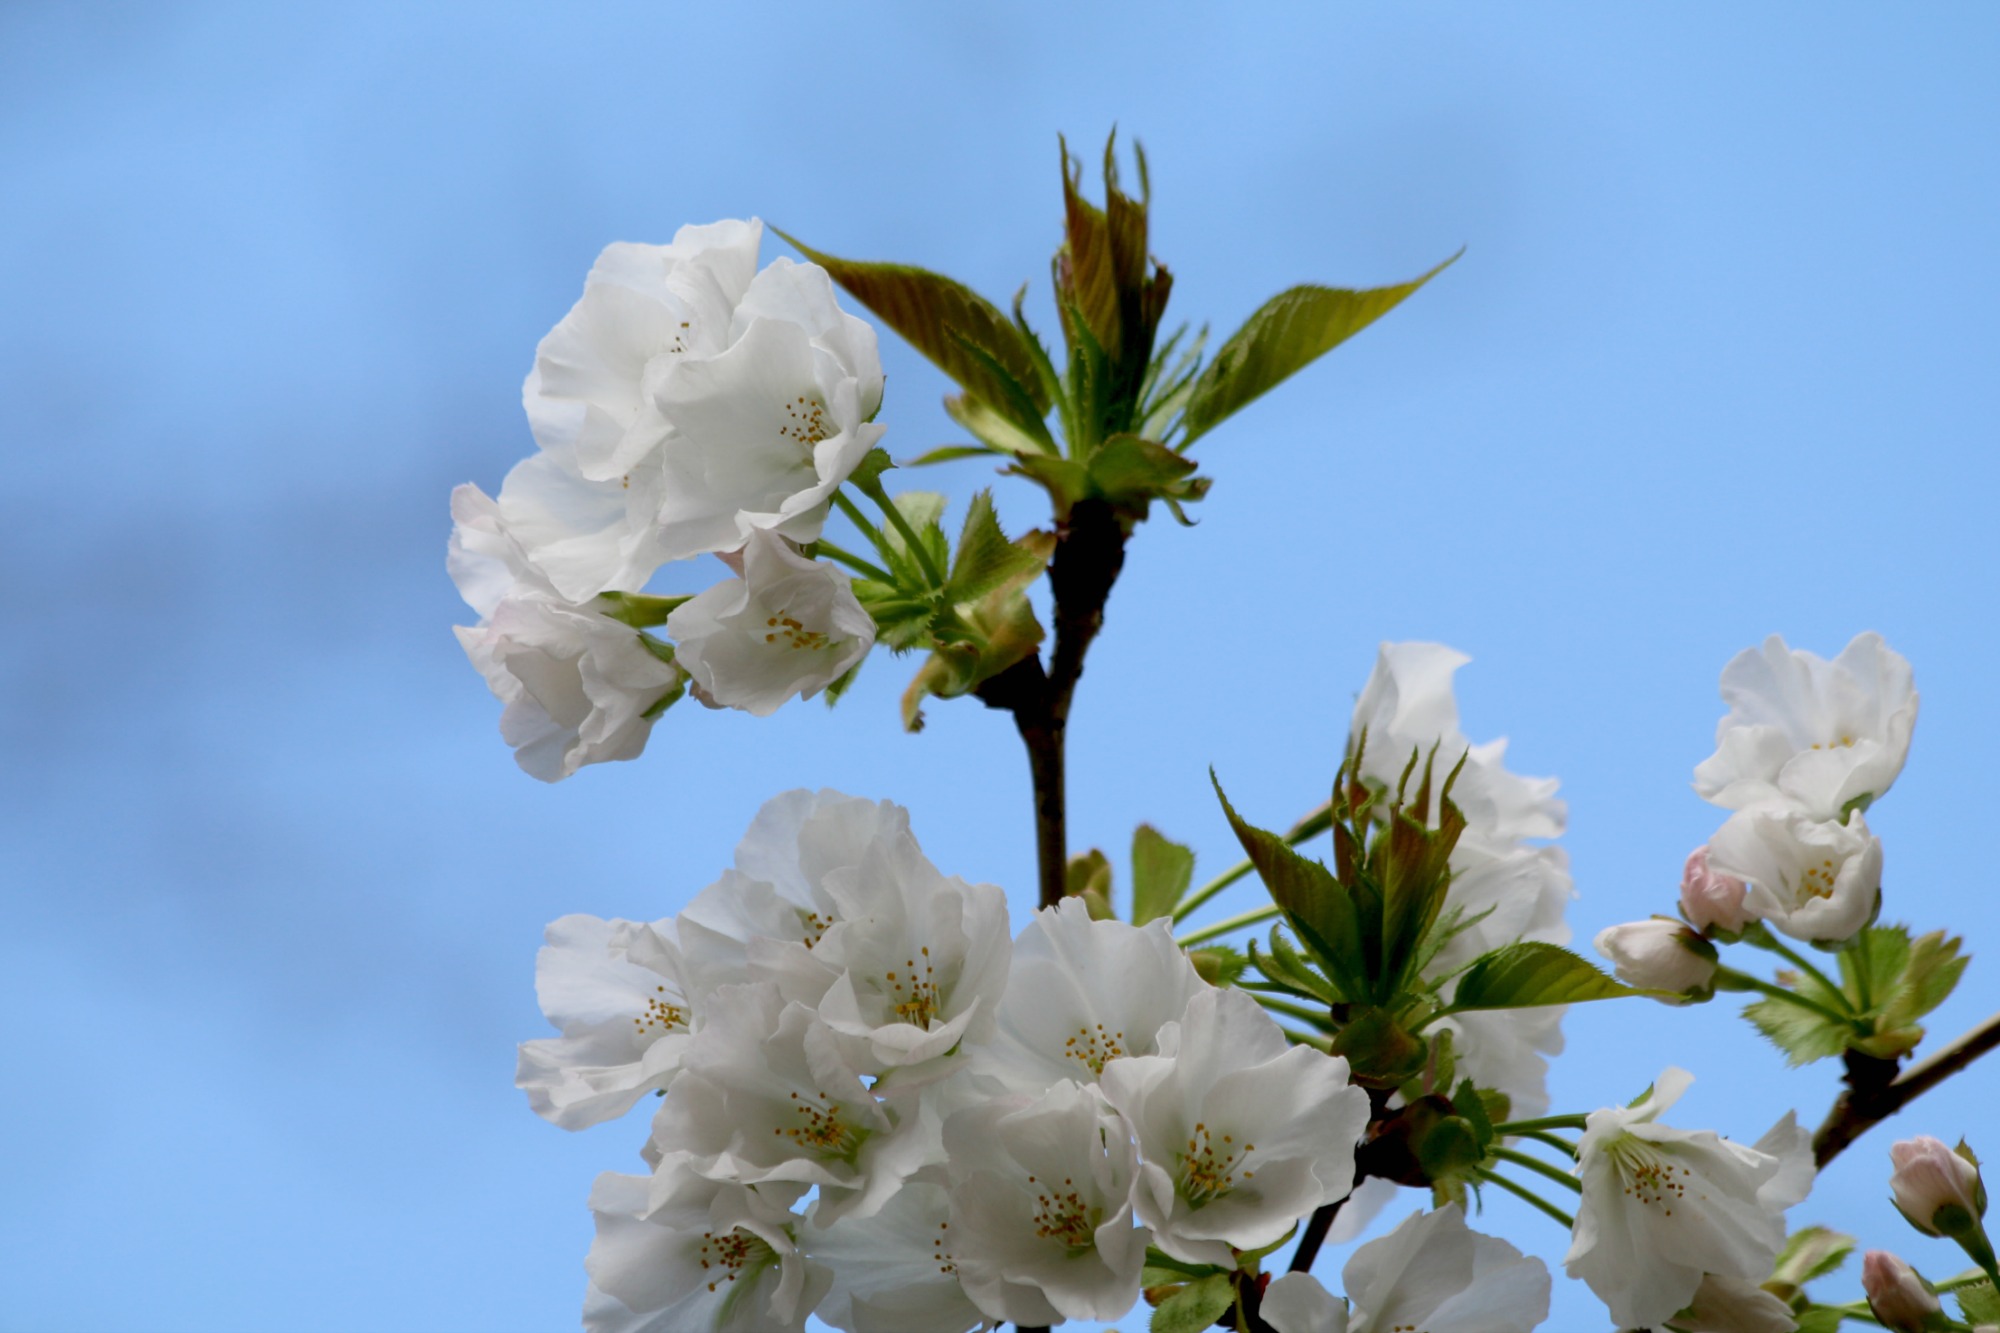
point(1806, 747)
point(876, 1107)
point(689, 404)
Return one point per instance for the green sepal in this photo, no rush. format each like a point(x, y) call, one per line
point(961, 332)
point(1287, 333)
point(638, 609)
point(1381, 1051)
point(1530, 973)
point(867, 474)
point(1162, 869)
point(1195, 1305)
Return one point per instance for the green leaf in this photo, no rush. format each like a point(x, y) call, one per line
point(1287, 333)
point(1195, 1306)
point(986, 560)
point(1088, 876)
point(1979, 1303)
point(949, 453)
point(1162, 869)
point(990, 428)
point(1313, 901)
point(638, 609)
point(1131, 473)
point(1801, 1034)
point(1884, 951)
point(1530, 973)
point(1284, 966)
point(1811, 1253)
point(1004, 631)
point(964, 335)
point(1927, 980)
point(1819, 1319)
point(1218, 964)
point(1066, 480)
point(922, 510)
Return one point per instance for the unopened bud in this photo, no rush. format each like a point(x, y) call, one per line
point(1896, 1294)
point(1938, 1190)
point(1662, 955)
point(1711, 900)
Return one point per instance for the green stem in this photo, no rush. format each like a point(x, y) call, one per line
point(1224, 927)
point(1540, 1168)
point(1544, 1122)
point(1560, 1144)
point(1764, 939)
point(874, 491)
point(1763, 987)
point(860, 519)
point(1857, 1311)
point(1314, 824)
point(856, 563)
point(1529, 1197)
point(1318, 1017)
point(1862, 981)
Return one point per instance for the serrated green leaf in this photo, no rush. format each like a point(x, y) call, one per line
point(1884, 951)
point(1088, 876)
point(1530, 973)
point(961, 332)
point(985, 559)
point(1801, 1034)
point(1927, 979)
point(1131, 473)
point(1819, 1319)
point(1195, 1306)
point(1313, 901)
point(1065, 480)
point(1811, 1253)
point(1287, 333)
point(1979, 1303)
point(1162, 869)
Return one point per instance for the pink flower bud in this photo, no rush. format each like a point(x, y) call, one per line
point(1658, 954)
point(1930, 1177)
point(1896, 1294)
point(1711, 900)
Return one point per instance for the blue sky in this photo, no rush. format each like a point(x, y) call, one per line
point(1716, 363)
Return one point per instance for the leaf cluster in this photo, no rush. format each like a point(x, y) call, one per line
point(1887, 981)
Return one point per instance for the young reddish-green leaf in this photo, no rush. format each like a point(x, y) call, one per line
point(1288, 332)
point(1313, 901)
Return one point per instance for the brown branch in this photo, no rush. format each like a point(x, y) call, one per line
point(1090, 552)
point(1875, 1091)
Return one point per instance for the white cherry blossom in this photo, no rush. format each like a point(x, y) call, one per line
point(764, 1097)
point(1663, 1207)
point(578, 686)
point(1081, 993)
point(1041, 1207)
point(1241, 1133)
point(786, 627)
point(1734, 1305)
point(1814, 880)
point(894, 1272)
point(1432, 1273)
point(677, 1253)
point(1803, 730)
point(615, 990)
point(762, 433)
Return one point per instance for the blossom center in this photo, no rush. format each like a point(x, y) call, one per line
point(941, 1255)
point(806, 422)
point(1817, 881)
point(738, 1253)
point(663, 1014)
point(913, 992)
point(815, 926)
point(795, 635)
point(1061, 1215)
point(1844, 743)
point(1210, 1165)
point(820, 1128)
point(1647, 1177)
point(1093, 1049)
